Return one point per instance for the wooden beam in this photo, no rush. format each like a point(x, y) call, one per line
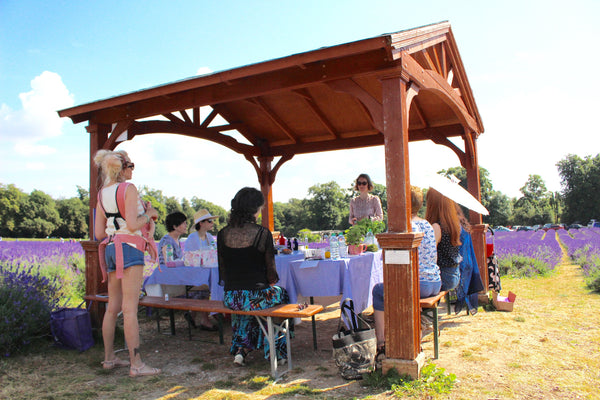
point(213, 134)
point(372, 104)
point(428, 79)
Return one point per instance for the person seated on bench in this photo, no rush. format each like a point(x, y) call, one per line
point(201, 240)
point(429, 272)
point(247, 272)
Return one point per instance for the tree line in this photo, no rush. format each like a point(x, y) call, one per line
point(38, 215)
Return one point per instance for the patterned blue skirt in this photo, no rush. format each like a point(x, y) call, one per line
point(244, 328)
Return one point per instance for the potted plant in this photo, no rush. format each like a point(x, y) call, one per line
point(355, 235)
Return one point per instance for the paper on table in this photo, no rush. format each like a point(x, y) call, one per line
point(309, 263)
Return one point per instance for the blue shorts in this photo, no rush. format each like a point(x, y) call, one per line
point(426, 289)
point(131, 257)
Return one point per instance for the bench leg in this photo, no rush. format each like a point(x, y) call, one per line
point(272, 332)
point(314, 326)
point(219, 317)
point(172, 318)
point(436, 350)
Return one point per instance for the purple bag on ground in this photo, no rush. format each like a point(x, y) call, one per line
point(72, 328)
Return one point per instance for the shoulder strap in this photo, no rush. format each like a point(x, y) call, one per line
point(120, 198)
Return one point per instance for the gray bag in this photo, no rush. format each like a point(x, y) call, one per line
point(354, 349)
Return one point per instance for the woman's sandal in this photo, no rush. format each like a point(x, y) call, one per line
point(116, 362)
point(143, 370)
point(240, 357)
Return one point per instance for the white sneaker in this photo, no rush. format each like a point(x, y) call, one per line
point(282, 361)
point(239, 360)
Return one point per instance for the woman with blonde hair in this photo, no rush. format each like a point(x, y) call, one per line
point(122, 253)
point(441, 214)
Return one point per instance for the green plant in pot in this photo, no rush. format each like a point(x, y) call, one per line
point(355, 235)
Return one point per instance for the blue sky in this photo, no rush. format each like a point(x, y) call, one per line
point(532, 66)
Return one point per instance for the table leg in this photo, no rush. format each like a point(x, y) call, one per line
point(172, 317)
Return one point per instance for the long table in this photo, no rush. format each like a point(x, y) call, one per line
point(182, 276)
point(352, 277)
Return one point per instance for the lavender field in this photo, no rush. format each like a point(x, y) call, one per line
point(532, 253)
point(521, 254)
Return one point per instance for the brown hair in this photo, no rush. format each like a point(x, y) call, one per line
point(369, 182)
point(416, 199)
point(442, 210)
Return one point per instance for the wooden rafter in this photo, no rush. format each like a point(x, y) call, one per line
point(272, 115)
point(310, 102)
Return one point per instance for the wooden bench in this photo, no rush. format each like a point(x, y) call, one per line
point(431, 303)
point(271, 331)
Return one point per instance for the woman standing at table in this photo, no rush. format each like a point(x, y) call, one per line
point(364, 205)
point(247, 271)
point(125, 232)
point(201, 240)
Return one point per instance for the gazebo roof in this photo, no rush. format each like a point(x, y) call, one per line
point(326, 99)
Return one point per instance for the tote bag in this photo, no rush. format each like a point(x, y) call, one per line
point(72, 328)
point(354, 349)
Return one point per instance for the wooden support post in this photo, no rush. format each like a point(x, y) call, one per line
point(93, 275)
point(400, 246)
point(479, 245)
point(266, 187)
point(401, 302)
point(93, 280)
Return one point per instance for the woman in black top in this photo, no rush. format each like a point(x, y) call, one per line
point(248, 273)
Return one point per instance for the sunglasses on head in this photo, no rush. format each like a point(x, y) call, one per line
point(128, 165)
point(362, 183)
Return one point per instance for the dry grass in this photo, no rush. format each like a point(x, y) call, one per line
point(547, 348)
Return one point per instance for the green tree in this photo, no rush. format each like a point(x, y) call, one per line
point(291, 217)
point(327, 206)
point(12, 200)
point(39, 216)
point(500, 207)
point(580, 181)
point(534, 207)
point(74, 218)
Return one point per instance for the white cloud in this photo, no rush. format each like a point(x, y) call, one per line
point(37, 119)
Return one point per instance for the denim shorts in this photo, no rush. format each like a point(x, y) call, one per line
point(131, 257)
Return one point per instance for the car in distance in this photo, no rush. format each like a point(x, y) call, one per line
point(525, 228)
point(575, 226)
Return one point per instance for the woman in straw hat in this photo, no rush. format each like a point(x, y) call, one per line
point(204, 221)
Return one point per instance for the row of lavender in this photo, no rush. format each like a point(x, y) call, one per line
point(530, 253)
point(526, 253)
point(583, 248)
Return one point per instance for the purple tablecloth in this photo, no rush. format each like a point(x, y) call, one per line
point(197, 276)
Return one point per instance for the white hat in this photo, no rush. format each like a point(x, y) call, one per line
point(203, 214)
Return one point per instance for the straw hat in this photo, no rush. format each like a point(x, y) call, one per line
point(203, 214)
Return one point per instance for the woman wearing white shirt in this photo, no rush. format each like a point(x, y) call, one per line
point(202, 240)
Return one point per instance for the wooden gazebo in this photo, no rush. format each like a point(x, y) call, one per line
point(387, 90)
